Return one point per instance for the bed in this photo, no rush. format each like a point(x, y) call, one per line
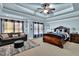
point(59, 37)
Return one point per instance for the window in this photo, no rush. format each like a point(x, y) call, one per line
point(8, 26)
point(12, 26)
point(21, 27)
point(40, 28)
point(18, 27)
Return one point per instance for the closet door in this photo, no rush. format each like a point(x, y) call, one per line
point(35, 30)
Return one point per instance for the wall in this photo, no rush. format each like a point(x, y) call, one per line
point(46, 27)
point(0, 14)
point(30, 29)
point(70, 23)
point(0, 25)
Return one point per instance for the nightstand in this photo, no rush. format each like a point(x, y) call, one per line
point(74, 38)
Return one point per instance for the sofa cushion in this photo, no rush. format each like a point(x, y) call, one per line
point(15, 35)
point(22, 34)
point(4, 36)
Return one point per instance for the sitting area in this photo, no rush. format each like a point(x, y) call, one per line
point(9, 38)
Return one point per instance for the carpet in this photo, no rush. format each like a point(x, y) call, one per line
point(9, 50)
point(45, 49)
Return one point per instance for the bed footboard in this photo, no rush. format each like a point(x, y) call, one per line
point(53, 39)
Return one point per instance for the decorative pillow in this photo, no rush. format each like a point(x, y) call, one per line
point(4, 36)
point(0, 36)
point(22, 34)
point(15, 35)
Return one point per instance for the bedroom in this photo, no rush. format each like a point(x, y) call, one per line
point(35, 22)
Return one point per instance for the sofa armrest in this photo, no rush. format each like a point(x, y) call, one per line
point(0, 39)
point(25, 38)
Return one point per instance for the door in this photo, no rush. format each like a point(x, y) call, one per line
point(37, 29)
point(40, 29)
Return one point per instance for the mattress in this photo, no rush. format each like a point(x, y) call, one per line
point(45, 49)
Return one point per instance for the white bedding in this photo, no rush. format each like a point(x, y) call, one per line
point(45, 49)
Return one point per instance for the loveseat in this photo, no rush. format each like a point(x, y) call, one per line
point(9, 38)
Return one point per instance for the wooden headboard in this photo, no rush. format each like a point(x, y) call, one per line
point(62, 28)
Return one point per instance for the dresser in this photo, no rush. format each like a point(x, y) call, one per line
point(74, 38)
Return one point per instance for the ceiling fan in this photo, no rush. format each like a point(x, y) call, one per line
point(46, 8)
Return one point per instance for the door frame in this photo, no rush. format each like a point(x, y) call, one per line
point(38, 29)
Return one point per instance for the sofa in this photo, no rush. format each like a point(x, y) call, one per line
point(9, 38)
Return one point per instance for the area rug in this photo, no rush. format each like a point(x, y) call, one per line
point(9, 50)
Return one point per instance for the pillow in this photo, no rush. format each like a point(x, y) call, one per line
point(4, 36)
point(22, 34)
point(15, 35)
point(0, 36)
point(57, 31)
point(66, 36)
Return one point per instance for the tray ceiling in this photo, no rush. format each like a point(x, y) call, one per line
point(30, 9)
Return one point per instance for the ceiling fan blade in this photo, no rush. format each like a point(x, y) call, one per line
point(49, 12)
point(53, 9)
point(41, 11)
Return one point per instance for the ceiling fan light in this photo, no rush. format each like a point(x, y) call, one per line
point(45, 11)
